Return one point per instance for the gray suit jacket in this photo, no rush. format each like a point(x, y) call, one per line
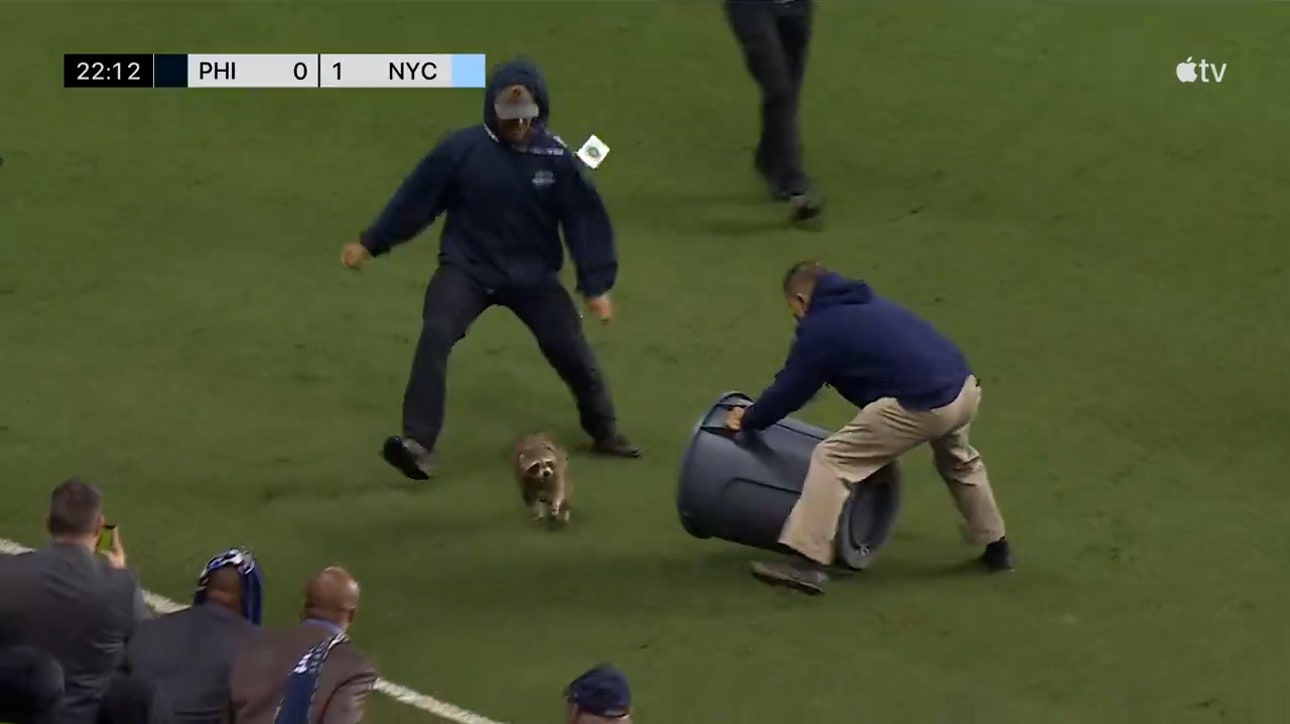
point(188, 655)
point(67, 601)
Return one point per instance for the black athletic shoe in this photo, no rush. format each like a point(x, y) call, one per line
point(804, 577)
point(805, 206)
point(408, 457)
point(997, 556)
point(617, 446)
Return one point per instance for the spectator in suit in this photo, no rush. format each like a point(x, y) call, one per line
point(311, 673)
point(77, 606)
point(31, 686)
point(188, 655)
point(601, 695)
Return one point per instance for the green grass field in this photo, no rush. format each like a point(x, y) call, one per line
point(1109, 246)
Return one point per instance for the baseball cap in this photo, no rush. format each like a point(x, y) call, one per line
point(515, 102)
point(601, 691)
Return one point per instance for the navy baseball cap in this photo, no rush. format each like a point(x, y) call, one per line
point(601, 691)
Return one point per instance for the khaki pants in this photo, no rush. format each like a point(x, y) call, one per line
point(878, 436)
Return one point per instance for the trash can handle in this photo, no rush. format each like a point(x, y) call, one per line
point(736, 436)
point(731, 406)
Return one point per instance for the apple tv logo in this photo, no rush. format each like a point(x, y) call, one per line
point(1186, 71)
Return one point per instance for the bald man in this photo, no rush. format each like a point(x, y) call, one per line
point(188, 655)
point(311, 671)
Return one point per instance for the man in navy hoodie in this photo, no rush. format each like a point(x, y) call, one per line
point(508, 187)
point(911, 385)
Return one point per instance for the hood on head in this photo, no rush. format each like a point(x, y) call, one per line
point(834, 289)
point(520, 71)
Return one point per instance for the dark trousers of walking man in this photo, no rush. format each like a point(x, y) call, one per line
point(775, 36)
point(454, 301)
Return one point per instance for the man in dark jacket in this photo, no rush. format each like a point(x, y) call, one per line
point(775, 36)
point(188, 655)
point(912, 385)
point(508, 187)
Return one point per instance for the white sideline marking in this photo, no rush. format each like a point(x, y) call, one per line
point(401, 694)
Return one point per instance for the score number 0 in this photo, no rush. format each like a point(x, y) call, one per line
point(301, 70)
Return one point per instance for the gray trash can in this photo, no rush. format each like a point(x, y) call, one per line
point(740, 487)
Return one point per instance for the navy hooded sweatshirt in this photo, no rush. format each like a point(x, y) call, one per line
point(505, 205)
point(865, 347)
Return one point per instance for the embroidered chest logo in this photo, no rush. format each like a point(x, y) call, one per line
point(543, 179)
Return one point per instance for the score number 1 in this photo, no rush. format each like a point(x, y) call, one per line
point(301, 70)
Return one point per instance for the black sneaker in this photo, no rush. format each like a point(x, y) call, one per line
point(998, 556)
point(803, 577)
point(617, 446)
point(805, 206)
point(408, 457)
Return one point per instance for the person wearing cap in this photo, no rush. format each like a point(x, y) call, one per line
point(508, 188)
point(188, 655)
point(774, 36)
point(599, 695)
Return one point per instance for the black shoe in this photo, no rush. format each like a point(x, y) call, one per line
point(998, 556)
point(408, 457)
point(617, 446)
point(806, 578)
point(805, 206)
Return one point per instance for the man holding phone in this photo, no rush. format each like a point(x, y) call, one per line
point(69, 601)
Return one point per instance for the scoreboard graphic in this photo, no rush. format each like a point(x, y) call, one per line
point(273, 70)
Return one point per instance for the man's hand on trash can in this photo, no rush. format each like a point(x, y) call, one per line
point(735, 419)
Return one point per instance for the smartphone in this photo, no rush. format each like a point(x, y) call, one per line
point(107, 539)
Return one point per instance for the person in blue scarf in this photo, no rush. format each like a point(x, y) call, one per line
point(331, 600)
point(187, 655)
point(250, 596)
point(309, 672)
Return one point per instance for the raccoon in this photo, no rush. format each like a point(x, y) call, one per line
point(541, 468)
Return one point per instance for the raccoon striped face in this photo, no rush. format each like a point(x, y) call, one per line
point(540, 469)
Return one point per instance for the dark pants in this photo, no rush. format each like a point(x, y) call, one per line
point(31, 686)
point(453, 302)
point(774, 37)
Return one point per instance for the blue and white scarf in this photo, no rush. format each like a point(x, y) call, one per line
point(298, 698)
point(248, 570)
